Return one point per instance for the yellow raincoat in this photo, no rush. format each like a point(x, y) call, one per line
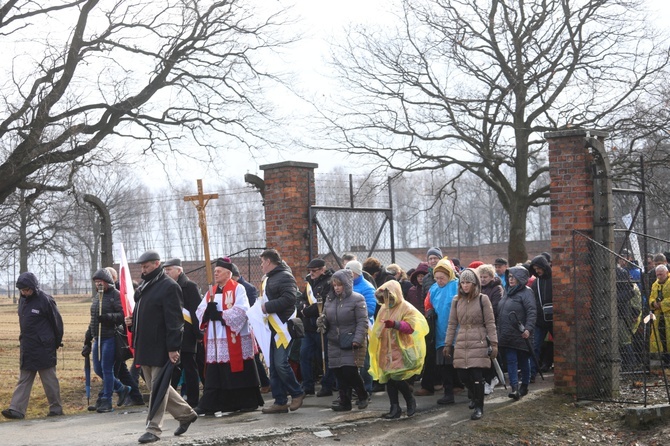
point(662, 293)
point(395, 355)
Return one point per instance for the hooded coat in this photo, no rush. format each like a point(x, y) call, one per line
point(520, 301)
point(415, 295)
point(393, 354)
point(542, 289)
point(441, 298)
point(346, 313)
point(41, 326)
point(471, 320)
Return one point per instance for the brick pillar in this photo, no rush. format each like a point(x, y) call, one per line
point(289, 193)
point(572, 166)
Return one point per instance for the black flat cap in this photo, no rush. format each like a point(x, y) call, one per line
point(149, 256)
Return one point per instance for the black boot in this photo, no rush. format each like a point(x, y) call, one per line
point(411, 406)
point(105, 405)
point(393, 413)
point(94, 407)
point(448, 397)
point(344, 403)
point(514, 392)
point(523, 390)
point(478, 392)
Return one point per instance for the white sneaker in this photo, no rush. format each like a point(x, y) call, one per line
point(488, 389)
point(494, 382)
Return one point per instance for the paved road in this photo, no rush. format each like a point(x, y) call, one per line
point(124, 427)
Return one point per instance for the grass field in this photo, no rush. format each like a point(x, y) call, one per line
point(76, 315)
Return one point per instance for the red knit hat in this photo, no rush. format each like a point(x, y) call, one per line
point(475, 264)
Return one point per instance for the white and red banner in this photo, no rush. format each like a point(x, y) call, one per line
point(127, 292)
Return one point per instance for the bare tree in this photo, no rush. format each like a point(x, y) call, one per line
point(148, 72)
point(475, 85)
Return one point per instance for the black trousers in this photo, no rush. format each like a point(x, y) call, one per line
point(348, 378)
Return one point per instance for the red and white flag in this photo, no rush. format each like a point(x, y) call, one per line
point(127, 292)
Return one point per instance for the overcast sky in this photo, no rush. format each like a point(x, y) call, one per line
point(320, 22)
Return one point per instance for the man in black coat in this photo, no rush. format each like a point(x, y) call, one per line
point(542, 288)
point(280, 291)
point(192, 333)
point(316, 291)
point(157, 324)
point(41, 335)
point(252, 295)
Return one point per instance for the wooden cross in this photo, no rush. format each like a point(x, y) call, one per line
point(201, 201)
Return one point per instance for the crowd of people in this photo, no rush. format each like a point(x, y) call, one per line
point(355, 331)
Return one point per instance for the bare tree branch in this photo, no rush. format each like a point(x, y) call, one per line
point(476, 84)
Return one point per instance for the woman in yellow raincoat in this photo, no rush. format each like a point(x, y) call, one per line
point(659, 303)
point(397, 346)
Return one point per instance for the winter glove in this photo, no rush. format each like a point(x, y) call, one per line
point(391, 324)
point(213, 313)
point(86, 351)
point(321, 324)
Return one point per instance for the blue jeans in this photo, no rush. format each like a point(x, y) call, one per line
point(539, 334)
point(517, 359)
point(309, 351)
point(105, 368)
point(282, 378)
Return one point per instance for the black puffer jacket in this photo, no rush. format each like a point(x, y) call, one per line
point(112, 313)
point(158, 322)
point(542, 289)
point(41, 327)
point(320, 287)
point(521, 302)
point(282, 291)
point(191, 295)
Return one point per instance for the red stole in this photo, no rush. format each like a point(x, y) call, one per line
point(234, 341)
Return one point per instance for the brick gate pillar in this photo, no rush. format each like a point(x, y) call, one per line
point(579, 201)
point(289, 192)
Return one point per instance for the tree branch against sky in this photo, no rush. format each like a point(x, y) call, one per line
point(141, 73)
point(475, 84)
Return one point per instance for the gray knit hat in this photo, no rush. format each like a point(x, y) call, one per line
point(434, 252)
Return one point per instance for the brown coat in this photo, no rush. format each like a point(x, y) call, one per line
point(471, 350)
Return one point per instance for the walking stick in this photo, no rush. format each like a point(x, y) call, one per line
point(101, 288)
point(319, 306)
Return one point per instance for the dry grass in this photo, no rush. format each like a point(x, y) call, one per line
point(70, 369)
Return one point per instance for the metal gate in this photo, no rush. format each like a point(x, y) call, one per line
point(361, 231)
point(614, 362)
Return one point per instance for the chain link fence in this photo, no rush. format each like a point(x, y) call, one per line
point(614, 329)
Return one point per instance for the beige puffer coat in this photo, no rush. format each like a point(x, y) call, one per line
point(471, 349)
